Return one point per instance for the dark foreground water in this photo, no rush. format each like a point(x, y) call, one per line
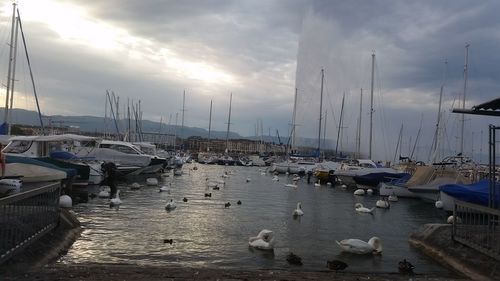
point(205, 234)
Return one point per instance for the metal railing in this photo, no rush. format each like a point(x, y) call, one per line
point(26, 216)
point(477, 227)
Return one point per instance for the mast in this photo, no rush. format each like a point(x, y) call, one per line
point(340, 125)
point(358, 139)
point(398, 145)
point(324, 128)
point(9, 71)
point(437, 133)
point(183, 109)
point(320, 111)
point(229, 122)
point(13, 74)
point(371, 107)
point(209, 127)
point(462, 121)
point(294, 117)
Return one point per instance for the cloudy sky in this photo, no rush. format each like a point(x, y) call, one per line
point(261, 51)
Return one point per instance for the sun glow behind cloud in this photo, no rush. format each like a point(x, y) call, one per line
point(75, 26)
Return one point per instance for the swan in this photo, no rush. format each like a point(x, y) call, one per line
point(393, 198)
point(359, 208)
point(104, 193)
point(329, 183)
point(359, 191)
point(291, 185)
point(165, 188)
point(383, 203)
point(317, 183)
point(296, 178)
point(369, 191)
point(357, 246)
point(135, 186)
point(275, 178)
point(152, 181)
point(263, 241)
point(248, 179)
point(170, 205)
point(343, 186)
point(298, 211)
point(439, 204)
point(115, 202)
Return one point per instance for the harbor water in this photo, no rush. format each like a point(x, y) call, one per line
point(205, 233)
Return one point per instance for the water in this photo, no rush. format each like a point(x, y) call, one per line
point(206, 234)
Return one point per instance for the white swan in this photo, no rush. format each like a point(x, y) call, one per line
point(165, 188)
point(291, 185)
point(248, 179)
point(439, 204)
point(359, 208)
point(263, 241)
point(135, 186)
point(276, 178)
point(104, 193)
point(317, 184)
point(359, 191)
point(383, 203)
point(152, 181)
point(393, 198)
point(170, 205)
point(357, 246)
point(369, 191)
point(298, 211)
point(115, 202)
point(296, 178)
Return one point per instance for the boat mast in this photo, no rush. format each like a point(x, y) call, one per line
point(14, 72)
point(183, 110)
point(371, 107)
point(340, 125)
point(358, 139)
point(320, 111)
point(437, 133)
point(229, 121)
point(324, 128)
point(294, 118)
point(462, 121)
point(209, 127)
point(399, 144)
point(9, 71)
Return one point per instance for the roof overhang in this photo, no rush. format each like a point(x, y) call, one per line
point(491, 108)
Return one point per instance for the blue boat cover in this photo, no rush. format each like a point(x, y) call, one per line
point(476, 193)
point(33, 161)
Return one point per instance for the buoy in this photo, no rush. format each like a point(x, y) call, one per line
point(329, 183)
point(343, 186)
point(439, 204)
point(65, 201)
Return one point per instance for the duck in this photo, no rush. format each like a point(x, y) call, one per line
point(239, 202)
point(317, 184)
point(104, 193)
point(298, 211)
point(359, 191)
point(184, 199)
point(357, 246)
point(169, 241)
point(263, 241)
point(393, 197)
point(170, 205)
point(383, 203)
point(361, 209)
point(336, 265)
point(92, 195)
point(292, 258)
point(208, 194)
point(115, 202)
point(405, 267)
point(248, 179)
point(227, 205)
point(216, 188)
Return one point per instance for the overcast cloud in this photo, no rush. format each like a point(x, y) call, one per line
point(260, 51)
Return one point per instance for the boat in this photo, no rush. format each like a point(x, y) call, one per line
point(476, 193)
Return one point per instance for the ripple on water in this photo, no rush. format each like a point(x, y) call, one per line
point(207, 234)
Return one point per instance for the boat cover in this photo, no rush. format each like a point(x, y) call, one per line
point(476, 193)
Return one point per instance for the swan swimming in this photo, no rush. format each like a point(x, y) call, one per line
point(152, 181)
point(357, 246)
point(383, 203)
point(104, 193)
point(248, 179)
point(393, 198)
point(369, 191)
point(263, 241)
point(165, 188)
point(115, 202)
point(291, 185)
point(298, 211)
point(361, 209)
point(275, 178)
point(317, 184)
point(170, 205)
point(359, 191)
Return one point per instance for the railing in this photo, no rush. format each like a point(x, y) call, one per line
point(27, 216)
point(477, 227)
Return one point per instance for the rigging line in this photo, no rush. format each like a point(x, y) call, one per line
point(330, 102)
point(382, 115)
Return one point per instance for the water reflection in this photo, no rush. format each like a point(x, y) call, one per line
point(205, 233)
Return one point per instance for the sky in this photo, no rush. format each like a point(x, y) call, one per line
point(261, 51)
